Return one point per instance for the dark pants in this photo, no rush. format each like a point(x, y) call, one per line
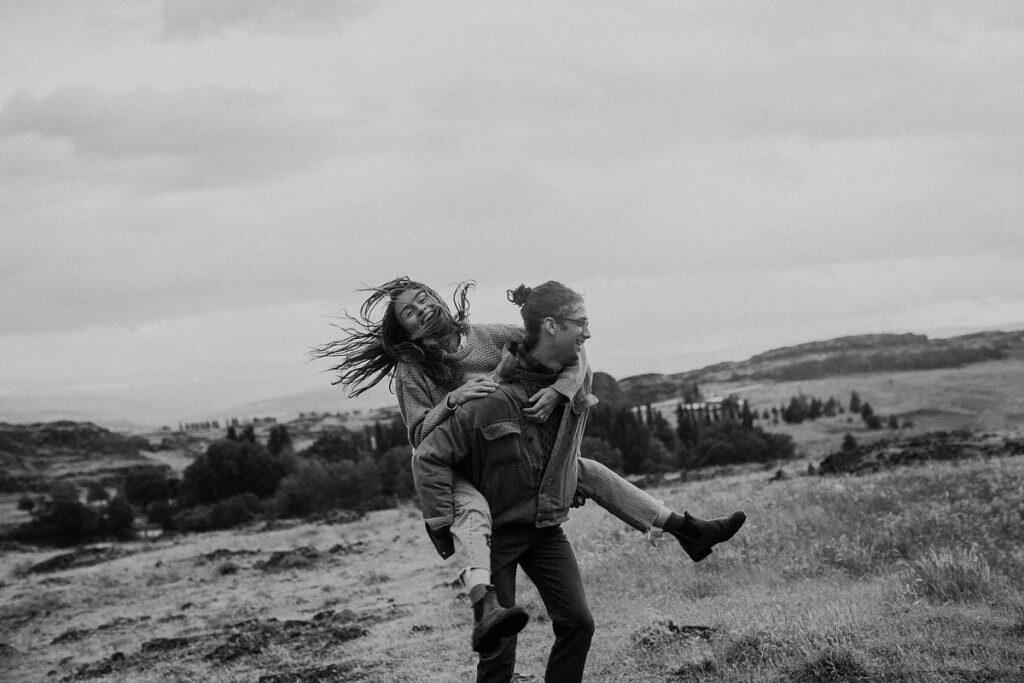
point(547, 558)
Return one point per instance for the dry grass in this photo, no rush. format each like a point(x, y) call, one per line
point(909, 574)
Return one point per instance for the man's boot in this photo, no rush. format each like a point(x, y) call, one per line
point(697, 535)
point(491, 621)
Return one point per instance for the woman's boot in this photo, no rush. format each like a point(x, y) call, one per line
point(697, 535)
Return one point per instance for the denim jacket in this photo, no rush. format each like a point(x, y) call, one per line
point(498, 449)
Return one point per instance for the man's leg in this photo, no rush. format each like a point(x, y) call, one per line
point(641, 511)
point(471, 533)
point(551, 565)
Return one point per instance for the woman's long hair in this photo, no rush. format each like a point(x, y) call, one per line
point(374, 342)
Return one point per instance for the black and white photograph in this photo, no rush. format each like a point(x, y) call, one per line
point(379, 340)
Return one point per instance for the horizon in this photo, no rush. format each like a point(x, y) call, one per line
point(376, 398)
point(194, 190)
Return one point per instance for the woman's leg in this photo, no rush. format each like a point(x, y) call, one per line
point(642, 511)
point(471, 533)
point(632, 505)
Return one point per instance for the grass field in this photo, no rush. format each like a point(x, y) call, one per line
point(985, 396)
point(910, 574)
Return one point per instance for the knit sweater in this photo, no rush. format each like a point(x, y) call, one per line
point(423, 404)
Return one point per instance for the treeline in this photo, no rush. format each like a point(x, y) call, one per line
point(239, 479)
point(644, 441)
point(802, 407)
point(236, 480)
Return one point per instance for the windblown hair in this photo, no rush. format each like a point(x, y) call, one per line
point(549, 300)
point(373, 341)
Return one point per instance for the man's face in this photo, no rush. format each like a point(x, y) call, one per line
point(414, 308)
point(571, 333)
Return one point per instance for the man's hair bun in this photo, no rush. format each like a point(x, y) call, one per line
point(519, 295)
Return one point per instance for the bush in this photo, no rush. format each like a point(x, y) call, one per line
point(396, 473)
point(145, 485)
point(603, 452)
point(119, 518)
point(231, 468)
point(95, 492)
point(728, 442)
point(162, 513)
point(336, 445)
point(223, 514)
point(68, 522)
point(319, 486)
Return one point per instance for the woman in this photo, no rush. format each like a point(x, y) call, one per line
point(439, 361)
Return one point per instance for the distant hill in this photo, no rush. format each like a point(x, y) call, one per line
point(860, 354)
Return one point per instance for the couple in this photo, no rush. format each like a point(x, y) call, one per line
point(496, 414)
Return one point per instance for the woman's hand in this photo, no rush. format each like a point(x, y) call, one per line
point(542, 404)
point(473, 389)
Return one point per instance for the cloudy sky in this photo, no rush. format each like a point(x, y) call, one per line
point(190, 190)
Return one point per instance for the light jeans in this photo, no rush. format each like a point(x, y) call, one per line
point(471, 530)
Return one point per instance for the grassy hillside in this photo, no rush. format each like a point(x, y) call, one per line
point(911, 574)
point(984, 396)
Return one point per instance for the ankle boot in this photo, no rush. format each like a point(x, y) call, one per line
point(491, 621)
point(697, 535)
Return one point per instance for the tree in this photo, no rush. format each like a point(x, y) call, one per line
point(96, 492)
point(278, 440)
point(230, 468)
point(396, 473)
point(849, 443)
point(796, 411)
point(232, 433)
point(335, 445)
point(854, 402)
point(145, 485)
point(603, 452)
point(867, 414)
point(248, 434)
point(118, 518)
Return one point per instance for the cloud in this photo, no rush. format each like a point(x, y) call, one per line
point(204, 136)
point(198, 18)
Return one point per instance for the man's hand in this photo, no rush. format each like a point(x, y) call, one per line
point(578, 500)
point(542, 404)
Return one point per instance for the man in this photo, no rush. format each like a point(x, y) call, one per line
point(527, 471)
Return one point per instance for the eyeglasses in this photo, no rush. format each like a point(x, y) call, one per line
point(582, 322)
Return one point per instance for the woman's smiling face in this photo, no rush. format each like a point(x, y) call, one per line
point(414, 308)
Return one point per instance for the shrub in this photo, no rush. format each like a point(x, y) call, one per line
point(162, 512)
point(319, 486)
point(95, 492)
point(231, 468)
point(396, 472)
point(336, 445)
point(67, 522)
point(728, 442)
point(119, 518)
point(145, 485)
point(603, 452)
point(223, 514)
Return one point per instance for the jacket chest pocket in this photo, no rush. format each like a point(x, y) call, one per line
point(506, 476)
